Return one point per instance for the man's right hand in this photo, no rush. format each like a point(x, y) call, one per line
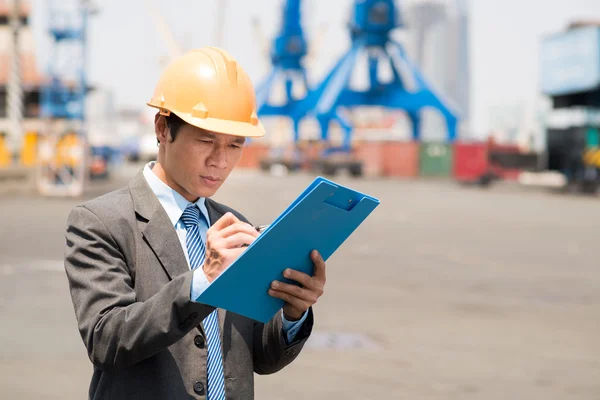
point(225, 241)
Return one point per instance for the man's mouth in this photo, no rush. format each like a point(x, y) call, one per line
point(211, 180)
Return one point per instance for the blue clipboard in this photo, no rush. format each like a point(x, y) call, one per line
point(321, 218)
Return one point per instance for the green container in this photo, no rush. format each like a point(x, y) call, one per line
point(593, 138)
point(435, 159)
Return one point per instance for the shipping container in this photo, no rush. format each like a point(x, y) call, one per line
point(5, 155)
point(370, 154)
point(593, 138)
point(435, 160)
point(252, 153)
point(400, 159)
point(311, 151)
point(470, 161)
point(29, 150)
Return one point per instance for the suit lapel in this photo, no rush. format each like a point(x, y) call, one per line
point(222, 315)
point(213, 213)
point(163, 239)
point(157, 228)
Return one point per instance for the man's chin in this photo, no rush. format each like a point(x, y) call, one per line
point(204, 191)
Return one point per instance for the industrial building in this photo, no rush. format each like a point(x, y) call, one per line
point(570, 76)
point(437, 33)
point(29, 79)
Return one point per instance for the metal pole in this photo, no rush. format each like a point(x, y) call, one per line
point(15, 89)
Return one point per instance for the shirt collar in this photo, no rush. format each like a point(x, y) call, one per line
point(173, 203)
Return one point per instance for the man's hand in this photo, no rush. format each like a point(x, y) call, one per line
point(225, 241)
point(299, 299)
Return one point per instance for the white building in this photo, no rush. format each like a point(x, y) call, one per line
point(438, 42)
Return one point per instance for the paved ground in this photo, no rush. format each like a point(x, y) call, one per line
point(445, 293)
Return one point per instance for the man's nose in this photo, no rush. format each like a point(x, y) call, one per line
point(218, 157)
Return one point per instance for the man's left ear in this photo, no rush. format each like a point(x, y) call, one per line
point(160, 128)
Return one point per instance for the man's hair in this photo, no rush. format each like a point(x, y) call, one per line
point(173, 123)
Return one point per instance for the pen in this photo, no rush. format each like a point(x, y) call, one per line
point(261, 228)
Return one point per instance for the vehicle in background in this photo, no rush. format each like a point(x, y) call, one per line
point(570, 77)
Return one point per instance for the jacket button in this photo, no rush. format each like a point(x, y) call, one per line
point(199, 388)
point(199, 341)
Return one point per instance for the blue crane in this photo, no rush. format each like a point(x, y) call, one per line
point(63, 168)
point(288, 49)
point(63, 97)
point(370, 27)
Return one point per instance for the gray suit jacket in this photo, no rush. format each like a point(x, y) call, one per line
point(130, 285)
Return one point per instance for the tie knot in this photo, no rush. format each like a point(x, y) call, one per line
point(191, 216)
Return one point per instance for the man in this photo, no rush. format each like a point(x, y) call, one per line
point(138, 258)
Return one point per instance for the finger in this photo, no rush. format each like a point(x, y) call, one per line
point(308, 295)
point(298, 304)
point(233, 254)
point(236, 228)
point(300, 277)
point(319, 263)
point(238, 239)
point(226, 220)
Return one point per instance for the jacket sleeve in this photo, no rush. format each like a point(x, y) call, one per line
point(119, 331)
point(271, 350)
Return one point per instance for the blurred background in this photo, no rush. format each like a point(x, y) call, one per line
point(476, 123)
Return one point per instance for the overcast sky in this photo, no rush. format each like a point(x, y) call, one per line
point(125, 47)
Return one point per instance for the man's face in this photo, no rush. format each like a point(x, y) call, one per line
point(198, 161)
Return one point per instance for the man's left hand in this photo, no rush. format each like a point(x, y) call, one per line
point(298, 299)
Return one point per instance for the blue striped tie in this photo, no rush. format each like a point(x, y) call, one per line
point(196, 251)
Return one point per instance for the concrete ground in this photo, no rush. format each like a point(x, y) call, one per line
point(444, 292)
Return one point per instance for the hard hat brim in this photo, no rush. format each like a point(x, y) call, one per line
point(226, 127)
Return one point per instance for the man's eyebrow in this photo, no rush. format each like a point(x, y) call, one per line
point(214, 136)
point(208, 134)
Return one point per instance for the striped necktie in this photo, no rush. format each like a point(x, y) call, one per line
point(196, 252)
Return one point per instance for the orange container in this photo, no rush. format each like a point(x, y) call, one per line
point(310, 151)
point(252, 154)
point(371, 156)
point(400, 159)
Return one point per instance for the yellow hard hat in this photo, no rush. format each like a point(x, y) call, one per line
point(208, 89)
